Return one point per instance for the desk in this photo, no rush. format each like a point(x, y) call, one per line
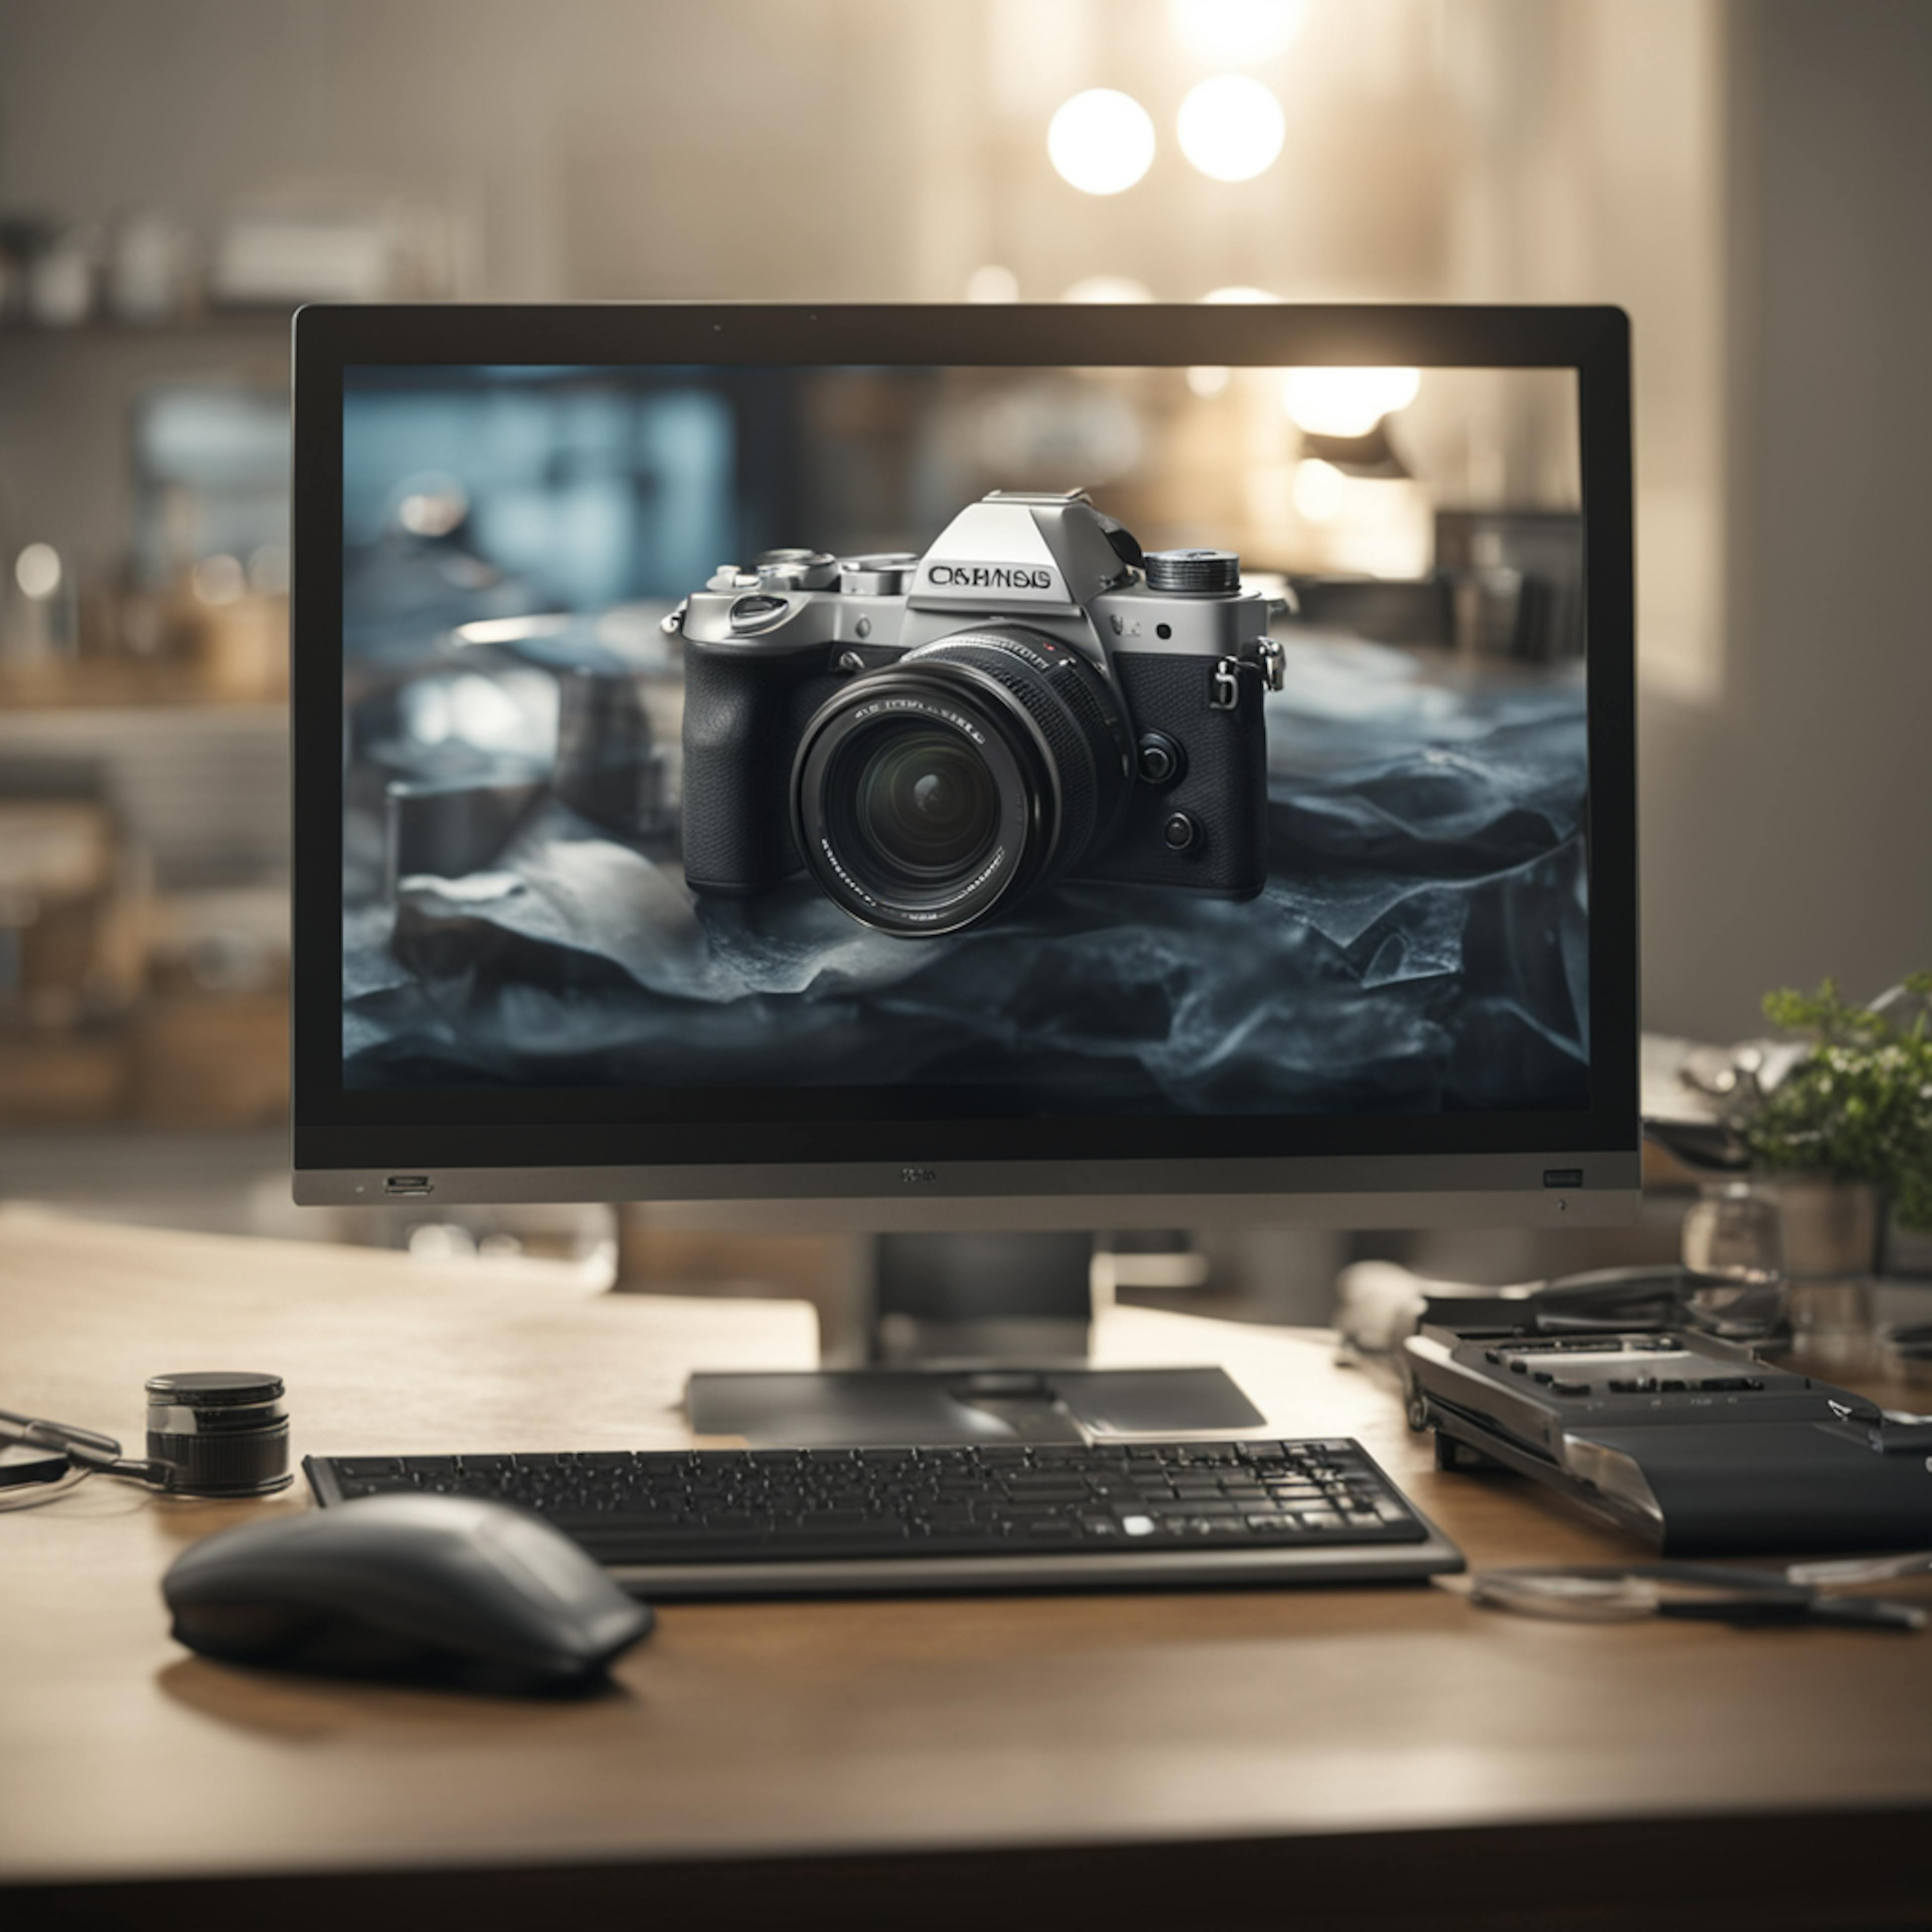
point(1357, 1757)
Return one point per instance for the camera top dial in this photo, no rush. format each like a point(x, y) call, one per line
point(797, 569)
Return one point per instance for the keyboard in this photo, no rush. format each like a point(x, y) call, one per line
point(718, 1522)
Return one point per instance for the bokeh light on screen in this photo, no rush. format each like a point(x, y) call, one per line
point(1319, 489)
point(1346, 402)
point(1234, 33)
point(1231, 128)
point(992, 283)
point(432, 506)
point(1101, 141)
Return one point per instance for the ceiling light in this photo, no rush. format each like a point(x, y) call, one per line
point(1101, 141)
point(1236, 33)
point(1108, 288)
point(37, 570)
point(991, 283)
point(1231, 128)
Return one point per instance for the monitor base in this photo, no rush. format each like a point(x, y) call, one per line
point(940, 1405)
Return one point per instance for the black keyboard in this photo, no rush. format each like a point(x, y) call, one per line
point(734, 1521)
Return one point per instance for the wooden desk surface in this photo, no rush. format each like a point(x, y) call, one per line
point(1365, 1745)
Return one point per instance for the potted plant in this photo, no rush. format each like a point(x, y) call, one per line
point(1848, 1131)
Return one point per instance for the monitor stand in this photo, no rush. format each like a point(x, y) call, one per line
point(974, 1338)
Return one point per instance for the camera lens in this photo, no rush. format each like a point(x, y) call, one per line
point(933, 790)
point(925, 803)
point(221, 1433)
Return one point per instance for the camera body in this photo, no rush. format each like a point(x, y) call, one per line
point(933, 736)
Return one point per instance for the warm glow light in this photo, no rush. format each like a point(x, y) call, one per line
point(1319, 489)
point(37, 570)
point(1347, 402)
point(992, 283)
point(1231, 128)
point(1108, 288)
point(1233, 33)
point(1240, 292)
point(1100, 142)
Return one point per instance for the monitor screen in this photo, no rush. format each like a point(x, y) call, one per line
point(1090, 749)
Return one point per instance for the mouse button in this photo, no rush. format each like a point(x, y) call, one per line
point(584, 1611)
point(214, 1566)
point(546, 1565)
point(407, 1570)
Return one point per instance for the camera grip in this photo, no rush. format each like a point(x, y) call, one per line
point(1223, 788)
point(738, 746)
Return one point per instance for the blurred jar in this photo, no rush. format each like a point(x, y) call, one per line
point(1734, 1251)
point(61, 277)
point(150, 268)
point(1833, 1234)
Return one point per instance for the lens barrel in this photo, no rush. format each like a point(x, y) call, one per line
point(221, 1432)
point(930, 791)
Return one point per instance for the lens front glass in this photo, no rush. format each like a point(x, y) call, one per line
point(924, 806)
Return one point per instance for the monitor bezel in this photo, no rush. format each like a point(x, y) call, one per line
point(576, 1143)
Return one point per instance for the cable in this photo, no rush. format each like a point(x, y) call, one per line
point(30, 1495)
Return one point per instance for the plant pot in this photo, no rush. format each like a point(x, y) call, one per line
point(1831, 1228)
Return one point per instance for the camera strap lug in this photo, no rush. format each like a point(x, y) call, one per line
point(1224, 686)
point(1271, 660)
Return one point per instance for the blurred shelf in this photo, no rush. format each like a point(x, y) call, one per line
point(120, 685)
point(214, 1062)
point(220, 321)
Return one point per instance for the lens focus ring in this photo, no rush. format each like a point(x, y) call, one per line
point(1072, 711)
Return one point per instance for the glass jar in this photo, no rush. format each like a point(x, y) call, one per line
point(1734, 1252)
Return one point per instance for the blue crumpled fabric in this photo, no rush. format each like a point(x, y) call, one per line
point(1421, 944)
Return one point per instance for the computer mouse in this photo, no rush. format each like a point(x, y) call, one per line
point(438, 1589)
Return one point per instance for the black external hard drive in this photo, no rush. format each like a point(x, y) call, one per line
point(1695, 1446)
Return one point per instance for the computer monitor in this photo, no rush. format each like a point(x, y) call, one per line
point(1024, 767)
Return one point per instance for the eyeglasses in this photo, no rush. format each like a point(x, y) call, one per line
point(1614, 1593)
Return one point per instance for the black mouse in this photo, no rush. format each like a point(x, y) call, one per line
point(438, 1589)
